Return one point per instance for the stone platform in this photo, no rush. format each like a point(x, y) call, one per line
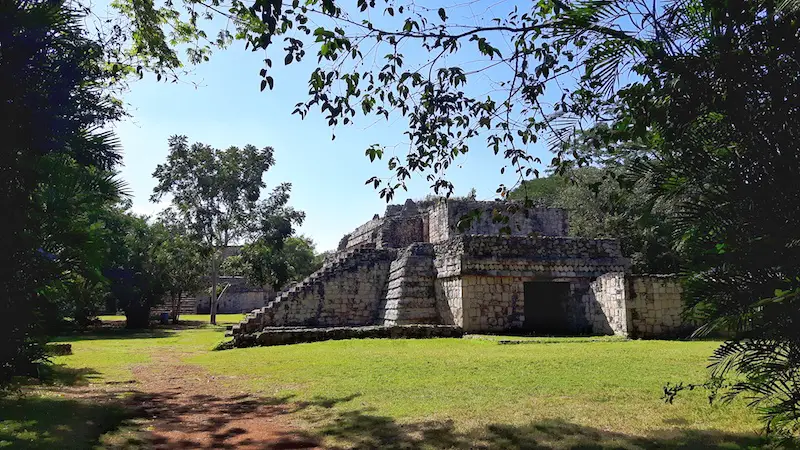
point(295, 335)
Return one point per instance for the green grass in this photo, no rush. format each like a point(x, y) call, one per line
point(473, 383)
point(110, 356)
point(222, 319)
point(440, 393)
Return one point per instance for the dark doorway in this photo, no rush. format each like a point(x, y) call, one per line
point(546, 308)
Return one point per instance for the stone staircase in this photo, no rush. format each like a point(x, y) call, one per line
point(345, 291)
point(411, 296)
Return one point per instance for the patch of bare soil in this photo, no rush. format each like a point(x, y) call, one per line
point(189, 408)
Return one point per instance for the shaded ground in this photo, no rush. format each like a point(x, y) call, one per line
point(167, 404)
point(185, 414)
point(175, 416)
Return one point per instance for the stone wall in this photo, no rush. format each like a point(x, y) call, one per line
point(437, 222)
point(497, 303)
point(449, 301)
point(492, 303)
point(188, 306)
point(481, 279)
point(349, 296)
point(543, 257)
point(486, 219)
point(651, 308)
point(655, 304)
point(411, 296)
point(240, 297)
point(400, 232)
point(539, 248)
point(365, 235)
point(606, 304)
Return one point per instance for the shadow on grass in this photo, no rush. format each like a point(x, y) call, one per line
point(33, 422)
point(208, 421)
point(61, 375)
point(179, 418)
point(361, 430)
point(115, 333)
point(116, 330)
point(204, 421)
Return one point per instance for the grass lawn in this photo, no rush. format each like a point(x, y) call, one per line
point(473, 384)
point(222, 319)
point(440, 393)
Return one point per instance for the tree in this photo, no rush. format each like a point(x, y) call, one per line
point(217, 192)
point(266, 265)
point(139, 273)
point(53, 100)
point(599, 206)
point(421, 76)
point(713, 112)
point(184, 259)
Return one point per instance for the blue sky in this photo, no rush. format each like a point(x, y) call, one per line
point(220, 104)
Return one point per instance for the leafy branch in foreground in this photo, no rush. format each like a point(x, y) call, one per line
point(548, 68)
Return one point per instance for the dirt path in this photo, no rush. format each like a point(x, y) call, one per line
point(189, 408)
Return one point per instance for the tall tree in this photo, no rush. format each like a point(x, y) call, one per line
point(78, 235)
point(717, 109)
point(52, 100)
point(218, 194)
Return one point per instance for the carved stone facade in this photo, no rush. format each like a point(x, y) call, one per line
point(507, 269)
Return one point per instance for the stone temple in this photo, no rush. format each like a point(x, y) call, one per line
point(513, 269)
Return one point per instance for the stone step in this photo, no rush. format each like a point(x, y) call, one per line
point(293, 335)
point(342, 262)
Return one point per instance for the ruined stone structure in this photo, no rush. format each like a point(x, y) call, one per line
point(510, 269)
point(240, 297)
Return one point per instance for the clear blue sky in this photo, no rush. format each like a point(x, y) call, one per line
point(226, 108)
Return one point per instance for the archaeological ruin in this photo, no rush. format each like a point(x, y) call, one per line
point(509, 269)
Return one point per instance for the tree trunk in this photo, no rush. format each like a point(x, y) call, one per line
point(214, 298)
point(173, 307)
point(177, 309)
